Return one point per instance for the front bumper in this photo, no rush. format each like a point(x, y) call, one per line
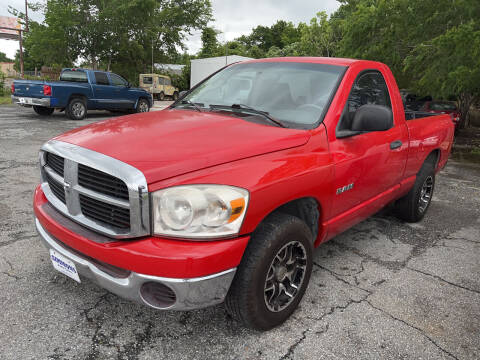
point(30, 101)
point(193, 293)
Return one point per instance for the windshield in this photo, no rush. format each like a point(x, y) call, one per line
point(294, 93)
point(443, 106)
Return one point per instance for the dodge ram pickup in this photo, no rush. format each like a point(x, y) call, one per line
point(224, 195)
point(80, 90)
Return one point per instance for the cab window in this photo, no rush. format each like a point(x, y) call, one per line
point(369, 88)
point(101, 78)
point(74, 76)
point(147, 80)
point(118, 80)
point(167, 81)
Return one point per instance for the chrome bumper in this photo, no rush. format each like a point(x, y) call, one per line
point(193, 293)
point(30, 101)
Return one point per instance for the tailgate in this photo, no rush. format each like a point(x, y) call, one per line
point(29, 88)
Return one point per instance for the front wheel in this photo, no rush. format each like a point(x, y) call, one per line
point(142, 106)
point(273, 274)
point(43, 111)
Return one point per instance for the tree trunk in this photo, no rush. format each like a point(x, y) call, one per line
point(464, 101)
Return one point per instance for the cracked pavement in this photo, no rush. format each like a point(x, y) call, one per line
point(383, 290)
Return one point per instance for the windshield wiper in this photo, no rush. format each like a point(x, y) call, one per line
point(188, 102)
point(249, 109)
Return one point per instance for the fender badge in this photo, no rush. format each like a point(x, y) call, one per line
point(344, 188)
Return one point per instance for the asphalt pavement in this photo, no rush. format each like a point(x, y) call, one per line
point(383, 290)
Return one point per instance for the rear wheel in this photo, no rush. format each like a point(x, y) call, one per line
point(161, 96)
point(42, 110)
point(76, 109)
point(413, 206)
point(273, 274)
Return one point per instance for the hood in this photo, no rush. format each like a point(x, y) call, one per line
point(167, 143)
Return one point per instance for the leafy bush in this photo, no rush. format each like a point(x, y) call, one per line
point(2, 84)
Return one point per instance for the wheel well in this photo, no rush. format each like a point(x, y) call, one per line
point(433, 157)
point(306, 209)
point(73, 96)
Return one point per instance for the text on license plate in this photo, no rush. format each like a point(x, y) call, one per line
point(64, 265)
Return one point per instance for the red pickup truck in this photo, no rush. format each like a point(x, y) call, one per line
point(224, 195)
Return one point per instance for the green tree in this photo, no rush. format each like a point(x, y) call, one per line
point(121, 35)
point(450, 64)
point(4, 57)
point(417, 39)
point(210, 44)
point(318, 38)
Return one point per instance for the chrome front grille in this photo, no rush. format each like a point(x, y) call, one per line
point(55, 162)
point(107, 213)
point(103, 183)
point(56, 188)
point(95, 190)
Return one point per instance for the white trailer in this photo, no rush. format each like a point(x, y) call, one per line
point(201, 68)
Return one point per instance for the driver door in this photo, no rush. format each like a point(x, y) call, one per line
point(122, 97)
point(368, 166)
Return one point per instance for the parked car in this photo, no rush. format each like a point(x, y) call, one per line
point(443, 107)
point(210, 200)
point(159, 86)
point(412, 102)
point(80, 90)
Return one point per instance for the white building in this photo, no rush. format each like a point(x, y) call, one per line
point(201, 68)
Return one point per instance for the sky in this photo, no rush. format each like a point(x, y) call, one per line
point(233, 18)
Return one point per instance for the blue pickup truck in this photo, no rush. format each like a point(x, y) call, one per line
point(80, 90)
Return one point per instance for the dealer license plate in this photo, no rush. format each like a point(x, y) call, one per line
point(23, 100)
point(64, 265)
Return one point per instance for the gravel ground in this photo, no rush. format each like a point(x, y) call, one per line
point(383, 290)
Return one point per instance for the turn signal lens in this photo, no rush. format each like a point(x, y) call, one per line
point(13, 88)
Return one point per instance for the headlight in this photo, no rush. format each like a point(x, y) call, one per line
point(199, 211)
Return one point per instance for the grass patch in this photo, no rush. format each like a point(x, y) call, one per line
point(5, 100)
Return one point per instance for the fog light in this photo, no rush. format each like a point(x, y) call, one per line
point(157, 295)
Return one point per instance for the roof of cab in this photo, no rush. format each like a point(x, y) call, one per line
point(314, 60)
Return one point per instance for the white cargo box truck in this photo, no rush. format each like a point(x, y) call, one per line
point(201, 68)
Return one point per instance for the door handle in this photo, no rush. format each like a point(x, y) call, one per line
point(395, 144)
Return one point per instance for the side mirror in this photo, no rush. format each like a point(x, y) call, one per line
point(129, 85)
point(182, 93)
point(372, 118)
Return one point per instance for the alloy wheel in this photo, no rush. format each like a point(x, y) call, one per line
point(425, 194)
point(285, 276)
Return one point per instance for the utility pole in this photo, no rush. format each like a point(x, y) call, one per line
point(22, 73)
point(152, 56)
point(21, 55)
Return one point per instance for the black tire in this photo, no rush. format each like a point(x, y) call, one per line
point(247, 300)
point(142, 106)
point(161, 96)
point(76, 109)
point(175, 96)
point(43, 111)
point(413, 206)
